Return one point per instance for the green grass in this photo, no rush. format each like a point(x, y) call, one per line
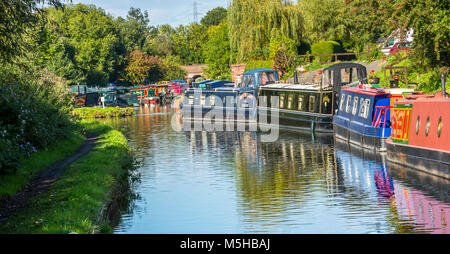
point(29, 167)
point(74, 203)
point(108, 112)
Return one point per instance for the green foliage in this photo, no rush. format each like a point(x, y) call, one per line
point(217, 52)
point(84, 38)
point(188, 43)
point(326, 47)
point(34, 112)
point(256, 64)
point(108, 112)
point(16, 18)
point(283, 53)
point(430, 21)
point(252, 23)
point(173, 70)
point(325, 20)
point(214, 17)
point(134, 30)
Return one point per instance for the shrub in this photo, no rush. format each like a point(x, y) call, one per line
point(326, 47)
point(256, 64)
point(34, 112)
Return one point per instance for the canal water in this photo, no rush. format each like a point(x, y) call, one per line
point(231, 182)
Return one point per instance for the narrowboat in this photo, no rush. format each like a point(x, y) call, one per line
point(85, 96)
point(309, 106)
point(363, 117)
point(142, 93)
point(225, 101)
point(420, 136)
point(119, 97)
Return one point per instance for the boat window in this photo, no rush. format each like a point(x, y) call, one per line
point(362, 108)
point(427, 126)
point(300, 102)
point(349, 101)
point(268, 95)
point(345, 76)
point(212, 100)
point(327, 79)
point(191, 99)
point(290, 101)
point(354, 76)
point(355, 105)
point(418, 125)
point(282, 96)
point(326, 104)
point(202, 99)
point(267, 78)
point(312, 103)
point(439, 130)
point(367, 108)
point(248, 81)
point(341, 107)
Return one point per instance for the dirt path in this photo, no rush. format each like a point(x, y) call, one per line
point(43, 181)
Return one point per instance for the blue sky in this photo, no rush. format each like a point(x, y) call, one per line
point(172, 12)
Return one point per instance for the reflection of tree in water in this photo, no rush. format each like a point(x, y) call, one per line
point(274, 177)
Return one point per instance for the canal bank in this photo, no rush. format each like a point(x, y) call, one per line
point(86, 193)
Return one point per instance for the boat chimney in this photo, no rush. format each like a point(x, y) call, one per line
point(295, 77)
point(444, 93)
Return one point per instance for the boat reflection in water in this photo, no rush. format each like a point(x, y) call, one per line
point(422, 204)
point(230, 182)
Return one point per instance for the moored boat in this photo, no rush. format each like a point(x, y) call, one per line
point(420, 134)
point(363, 117)
point(223, 100)
point(310, 106)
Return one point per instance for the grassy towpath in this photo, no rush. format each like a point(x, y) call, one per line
point(43, 181)
point(76, 193)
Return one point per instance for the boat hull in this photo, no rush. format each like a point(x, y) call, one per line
point(432, 161)
point(372, 143)
point(296, 121)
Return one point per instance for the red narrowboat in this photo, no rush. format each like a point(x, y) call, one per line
point(421, 134)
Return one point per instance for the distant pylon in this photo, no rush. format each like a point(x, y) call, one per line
point(195, 13)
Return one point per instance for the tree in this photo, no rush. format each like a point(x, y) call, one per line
point(214, 17)
point(161, 41)
point(283, 52)
point(86, 38)
point(143, 68)
point(430, 21)
point(16, 18)
point(326, 20)
point(188, 42)
point(217, 52)
point(134, 30)
point(252, 23)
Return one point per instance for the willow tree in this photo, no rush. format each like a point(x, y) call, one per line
point(326, 20)
point(253, 23)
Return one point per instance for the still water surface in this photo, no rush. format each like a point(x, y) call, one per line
point(230, 182)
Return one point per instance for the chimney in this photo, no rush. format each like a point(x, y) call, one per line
point(444, 93)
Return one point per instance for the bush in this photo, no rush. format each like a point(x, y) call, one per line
point(326, 47)
point(256, 64)
point(34, 112)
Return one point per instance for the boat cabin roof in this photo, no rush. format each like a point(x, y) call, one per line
point(293, 86)
point(367, 91)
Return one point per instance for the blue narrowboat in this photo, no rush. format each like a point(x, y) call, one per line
point(223, 100)
point(364, 116)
